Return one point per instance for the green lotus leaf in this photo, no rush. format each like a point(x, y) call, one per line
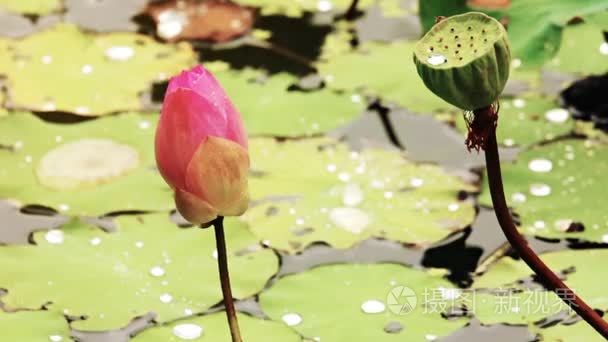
point(581, 275)
point(512, 306)
point(81, 169)
point(215, 328)
point(341, 197)
point(552, 185)
point(580, 331)
point(38, 7)
point(465, 60)
point(391, 77)
point(65, 69)
point(149, 264)
point(33, 326)
point(359, 303)
point(583, 49)
point(270, 108)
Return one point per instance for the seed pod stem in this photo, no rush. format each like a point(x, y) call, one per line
point(544, 274)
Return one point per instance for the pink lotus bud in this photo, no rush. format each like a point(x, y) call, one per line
point(201, 148)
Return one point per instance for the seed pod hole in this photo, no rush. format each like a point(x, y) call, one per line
point(452, 30)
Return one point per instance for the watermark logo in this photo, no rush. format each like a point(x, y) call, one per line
point(401, 300)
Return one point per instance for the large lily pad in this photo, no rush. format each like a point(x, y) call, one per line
point(510, 306)
point(31, 139)
point(527, 121)
point(33, 326)
point(270, 108)
point(553, 185)
point(215, 328)
point(583, 49)
point(67, 70)
point(340, 197)
point(360, 303)
point(38, 7)
point(148, 265)
point(580, 331)
point(383, 70)
point(581, 275)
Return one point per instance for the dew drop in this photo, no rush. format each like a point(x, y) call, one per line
point(557, 115)
point(344, 176)
point(350, 219)
point(331, 168)
point(453, 207)
point(604, 48)
point(540, 190)
point(120, 53)
point(171, 23)
point(353, 195)
point(416, 182)
point(516, 63)
point(87, 69)
point(605, 238)
point(540, 165)
point(139, 244)
point(188, 331)
point(436, 59)
point(157, 271)
point(388, 194)
point(539, 224)
point(95, 241)
point(292, 319)
point(430, 337)
point(449, 293)
point(518, 197)
point(55, 338)
point(373, 306)
point(562, 225)
point(166, 298)
point(519, 103)
point(46, 59)
point(54, 236)
point(324, 5)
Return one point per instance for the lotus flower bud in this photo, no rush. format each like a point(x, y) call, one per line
point(201, 148)
point(465, 60)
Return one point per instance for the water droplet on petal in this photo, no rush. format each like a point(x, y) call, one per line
point(120, 53)
point(518, 197)
point(157, 271)
point(436, 59)
point(373, 306)
point(557, 115)
point(350, 219)
point(540, 165)
point(353, 195)
point(166, 298)
point(292, 319)
point(540, 189)
point(188, 331)
point(604, 48)
point(54, 236)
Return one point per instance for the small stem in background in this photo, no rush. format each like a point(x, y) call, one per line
point(546, 277)
point(222, 263)
point(351, 12)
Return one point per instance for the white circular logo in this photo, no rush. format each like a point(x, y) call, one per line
point(401, 300)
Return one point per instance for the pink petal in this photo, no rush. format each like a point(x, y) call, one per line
point(186, 120)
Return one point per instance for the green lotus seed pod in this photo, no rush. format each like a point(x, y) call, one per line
point(465, 60)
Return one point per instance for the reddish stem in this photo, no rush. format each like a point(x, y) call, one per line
point(222, 262)
point(546, 277)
